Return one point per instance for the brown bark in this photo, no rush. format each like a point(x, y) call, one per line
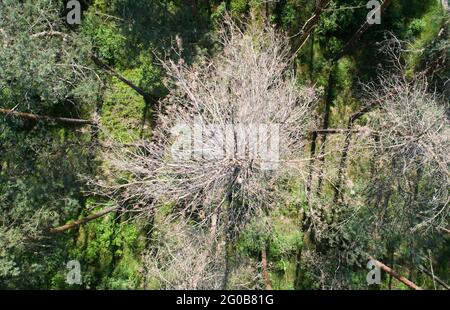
point(82, 221)
point(35, 117)
point(400, 278)
point(264, 268)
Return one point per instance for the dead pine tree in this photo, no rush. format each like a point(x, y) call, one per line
point(209, 157)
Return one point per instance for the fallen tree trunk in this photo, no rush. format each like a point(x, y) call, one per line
point(50, 34)
point(264, 268)
point(148, 97)
point(35, 117)
point(82, 221)
point(400, 278)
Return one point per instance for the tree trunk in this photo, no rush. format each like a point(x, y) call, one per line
point(312, 153)
point(35, 117)
point(343, 163)
point(278, 12)
point(228, 231)
point(82, 221)
point(402, 279)
point(311, 58)
point(326, 123)
point(148, 97)
point(310, 24)
point(264, 268)
point(357, 35)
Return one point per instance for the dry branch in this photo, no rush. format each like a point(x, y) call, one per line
point(248, 84)
point(35, 117)
point(51, 33)
point(340, 130)
point(438, 280)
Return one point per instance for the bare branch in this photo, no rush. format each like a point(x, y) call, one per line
point(64, 120)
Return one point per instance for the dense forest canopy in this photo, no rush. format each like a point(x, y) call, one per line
point(95, 168)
